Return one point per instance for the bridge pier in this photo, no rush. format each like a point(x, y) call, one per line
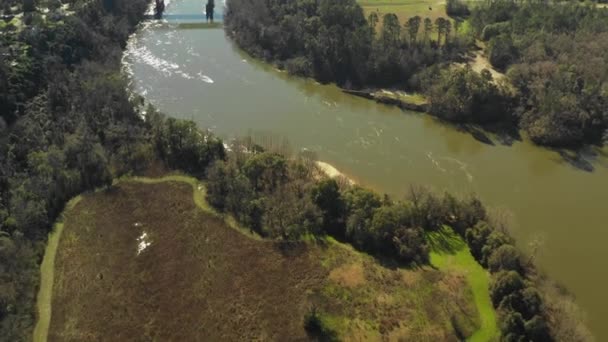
point(159, 8)
point(209, 8)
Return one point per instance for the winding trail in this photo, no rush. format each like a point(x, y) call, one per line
point(47, 274)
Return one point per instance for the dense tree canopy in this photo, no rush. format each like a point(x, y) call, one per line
point(555, 55)
point(333, 42)
point(68, 125)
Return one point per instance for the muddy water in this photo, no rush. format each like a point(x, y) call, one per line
point(196, 73)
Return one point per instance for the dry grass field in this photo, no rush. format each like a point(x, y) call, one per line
point(141, 262)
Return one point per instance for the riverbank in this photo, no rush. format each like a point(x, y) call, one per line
point(383, 148)
point(331, 172)
point(403, 100)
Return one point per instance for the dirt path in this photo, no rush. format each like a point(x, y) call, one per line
point(480, 62)
point(47, 268)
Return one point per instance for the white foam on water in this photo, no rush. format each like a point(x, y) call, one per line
point(143, 242)
point(462, 165)
point(435, 162)
point(205, 78)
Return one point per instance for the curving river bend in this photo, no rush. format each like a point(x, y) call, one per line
point(197, 73)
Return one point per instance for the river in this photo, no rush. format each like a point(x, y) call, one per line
point(197, 73)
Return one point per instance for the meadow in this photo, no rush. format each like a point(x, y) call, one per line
point(405, 9)
point(148, 259)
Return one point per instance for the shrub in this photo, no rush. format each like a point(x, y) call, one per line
point(317, 328)
point(326, 195)
point(537, 329)
point(504, 258)
point(501, 51)
point(504, 284)
point(457, 8)
point(492, 30)
point(299, 66)
point(463, 95)
point(512, 327)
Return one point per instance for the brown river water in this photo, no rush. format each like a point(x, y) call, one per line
point(197, 73)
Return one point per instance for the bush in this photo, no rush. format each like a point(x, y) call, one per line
point(493, 30)
point(326, 195)
point(512, 327)
point(502, 52)
point(457, 8)
point(463, 95)
point(266, 171)
point(537, 329)
point(504, 284)
point(183, 146)
point(476, 238)
point(299, 66)
point(29, 5)
point(317, 328)
point(504, 258)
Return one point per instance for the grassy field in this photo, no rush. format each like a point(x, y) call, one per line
point(405, 9)
point(149, 260)
point(450, 253)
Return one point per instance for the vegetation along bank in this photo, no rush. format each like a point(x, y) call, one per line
point(553, 55)
point(69, 126)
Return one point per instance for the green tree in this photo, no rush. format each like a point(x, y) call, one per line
point(428, 28)
point(537, 329)
point(505, 258)
point(413, 26)
point(326, 195)
point(512, 327)
point(440, 24)
point(391, 30)
point(373, 22)
point(447, 30)
point(505, 283)
point(29, 5)
point(266, 171)
point(502, 52)
point(360, 204)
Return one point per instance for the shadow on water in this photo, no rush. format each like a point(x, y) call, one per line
point(504, 135)
point(585, 159)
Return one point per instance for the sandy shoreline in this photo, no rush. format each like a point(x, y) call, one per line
point(331, 172)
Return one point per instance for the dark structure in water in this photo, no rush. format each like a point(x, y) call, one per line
point(209, 9)
point(159, 8)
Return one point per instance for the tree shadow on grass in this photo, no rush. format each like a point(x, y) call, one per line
point(445, 241)
point(291, 249)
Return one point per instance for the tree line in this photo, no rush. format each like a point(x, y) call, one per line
point(290, 199)
point(69, 125)
point(554, 54)
point(332, 41)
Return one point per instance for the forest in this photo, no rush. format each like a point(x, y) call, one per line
point(332, 41)
point(553, 55)
point(69, 125)
point(284, 198)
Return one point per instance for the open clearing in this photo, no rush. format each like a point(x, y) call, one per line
point(450, 253)
point(151, 261)
point(405, 9)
